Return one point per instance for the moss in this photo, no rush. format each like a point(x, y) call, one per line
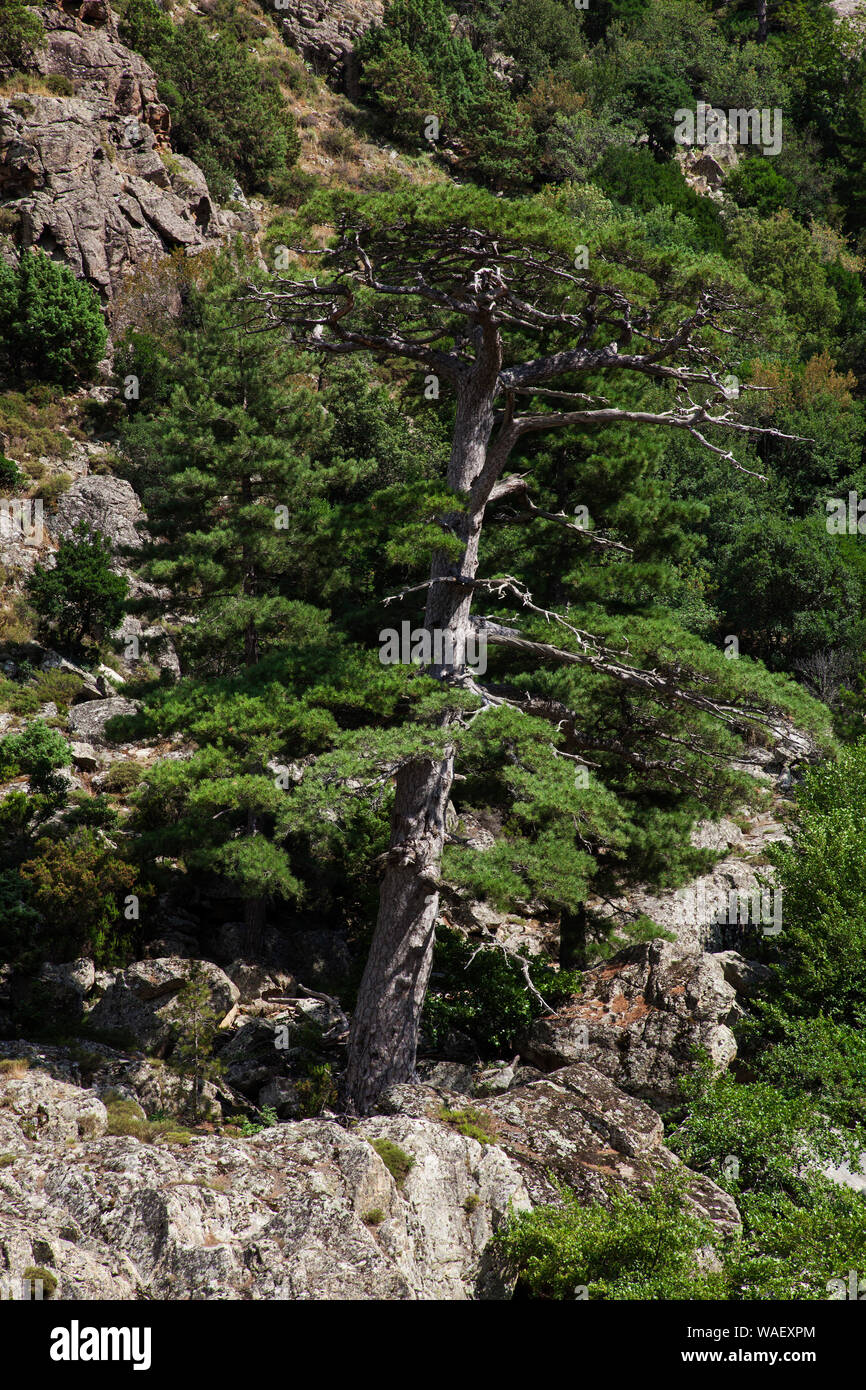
point(176, 1136)
point(395, 1159)
point(474, 1124)
point(49, 1281)
point(6, 1160)
point(471, 1202)
point(122, 777)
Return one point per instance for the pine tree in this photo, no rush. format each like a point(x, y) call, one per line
point(487, 298)
point(196, 1023)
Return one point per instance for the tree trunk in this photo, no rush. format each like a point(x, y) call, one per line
point(762, 20)
point(383, 1037)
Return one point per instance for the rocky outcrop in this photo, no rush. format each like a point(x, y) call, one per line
point(91, 175)
point(324, 32)
point(703, 915)
point(301, 1211)
point(141, 1001)
point(639, 1019)
point(575, 1127)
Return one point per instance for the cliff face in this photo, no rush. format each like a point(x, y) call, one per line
point(90, 177)
point(324, 32)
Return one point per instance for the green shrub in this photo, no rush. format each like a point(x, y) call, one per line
point(76, 884)
point(122, 777)
point(374, 1217)
point(34, 1273)
point(395, 1159)
point(754, 183)
point(11, 476)
point(38, 753)
point(80, 597)
point(637, 1246)
point(51, 325)
point(21, 32)
point(635, 178)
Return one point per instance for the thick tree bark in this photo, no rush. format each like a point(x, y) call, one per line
point(383, 1037)
point(762, 20)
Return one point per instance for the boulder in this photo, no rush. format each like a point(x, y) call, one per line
point(747, 977)
point(104, 504)
point(141, 1002)
point(88, 720)
point(639, 1019)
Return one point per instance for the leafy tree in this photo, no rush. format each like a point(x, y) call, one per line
point(80, 597)
point(654, 93)
point(540, 35)
point(21, 32)
point(786, 591)
point(76, 884)
point(50, 323)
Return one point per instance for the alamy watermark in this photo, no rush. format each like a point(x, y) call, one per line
point(439, 647)
point(709, 125)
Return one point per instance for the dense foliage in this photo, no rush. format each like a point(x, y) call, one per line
point(226, 109)
point(51, 326)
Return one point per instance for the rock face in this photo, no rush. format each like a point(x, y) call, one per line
point(577, 1128)
point(140, 1002)
point(301, 1211)
point(324, 33)
point(87, 721)
point(639, 1018)
point(703, 916)
point(85, 172)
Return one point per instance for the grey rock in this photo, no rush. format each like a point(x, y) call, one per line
point(87, 721)
point(141, 1002)
point(639, 1018)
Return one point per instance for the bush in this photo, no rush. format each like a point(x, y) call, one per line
point(11, 476)
point(81, 597)
point(51, 325)
point(122, 777)
point(754, 183)
point(635, 178)
point(76, 884)
point(21, 32)
point(38, 753)
point(227, 111)
point(637, 1247)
